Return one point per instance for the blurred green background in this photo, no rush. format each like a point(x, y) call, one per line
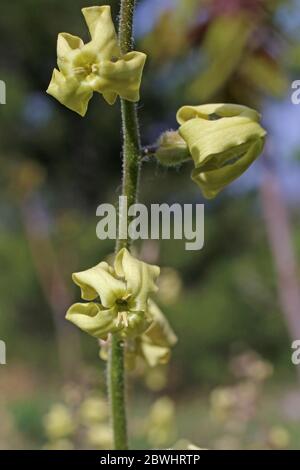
point(235, 301)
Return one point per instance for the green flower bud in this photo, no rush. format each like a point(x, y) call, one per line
point(172, 149)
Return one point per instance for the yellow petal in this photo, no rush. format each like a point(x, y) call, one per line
point(140, 278)
point(212, 182)
point(110, 97)
point(66, 43)
point(99, 281)
point(215, 142)
point(122, 77)
point(160, 331)
point(156, 342)
point(204, 111)
point(69, 92)
point(93, 319)
point(102, 30)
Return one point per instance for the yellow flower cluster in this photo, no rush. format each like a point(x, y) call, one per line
point(119, 302)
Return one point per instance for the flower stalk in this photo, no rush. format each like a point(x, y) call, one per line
point(130, 183)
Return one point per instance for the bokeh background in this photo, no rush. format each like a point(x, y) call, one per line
point(235, 305)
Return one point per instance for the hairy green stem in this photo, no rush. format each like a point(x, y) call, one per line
point(116, 385)
point(130, 183)
point(130, 125)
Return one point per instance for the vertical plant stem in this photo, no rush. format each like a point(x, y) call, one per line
point(130, 183)
point(130, 124)
point(116, 384)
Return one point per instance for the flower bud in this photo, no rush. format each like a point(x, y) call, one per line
point(172, 149)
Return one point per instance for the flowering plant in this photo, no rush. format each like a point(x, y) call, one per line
point(222, 140)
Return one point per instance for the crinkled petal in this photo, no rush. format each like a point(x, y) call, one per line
point(140, 278)
point(204, 111)
point(104, 38)
point(66, 44)
point(100, 281)
point(93, 319)
point(122, 77)
point(69, 92)
point(156, 342)
point(212, 182)
point(209, 140)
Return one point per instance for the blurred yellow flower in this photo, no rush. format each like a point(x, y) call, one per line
point(223, 139)
point(223, 402)
point(93, 410)
point(170, 286)
point(99, 436)
point(156, 378)
point(118, 297)
point(279, 437)
point(161, 424)
point(58, 423)
point(97, 66)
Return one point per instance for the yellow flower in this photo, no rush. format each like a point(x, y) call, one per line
point(97, 66)
point(223, 139)
point(99, 436)
point(118, 297)
point(279, 437)
point(161, 425)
